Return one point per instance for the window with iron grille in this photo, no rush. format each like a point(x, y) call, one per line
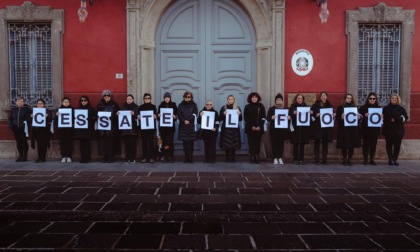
point(30, 61)
point(379, 61)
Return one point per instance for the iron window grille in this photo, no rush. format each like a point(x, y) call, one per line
point(30, 61)
point(379, 61)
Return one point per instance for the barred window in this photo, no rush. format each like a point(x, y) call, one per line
point(379, 61)
point(30, 61)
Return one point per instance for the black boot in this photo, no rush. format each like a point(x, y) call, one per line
point(24, 156)
point(316, 154)
point(365, 161)
point(344, 153)
point(324, 157)
point(252, 159)
point(190, 151)
point(390, 161)
point(257, 160)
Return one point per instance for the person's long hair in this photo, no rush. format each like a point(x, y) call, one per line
point(372, 94)
point(234, 105)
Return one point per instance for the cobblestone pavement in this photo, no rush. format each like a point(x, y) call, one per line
point(197, 207)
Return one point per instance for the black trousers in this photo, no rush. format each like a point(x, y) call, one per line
point(298, 152)
point(393, 146)
point(85, 150)
point(210, 147)
point(66, 145)
point(108, 147)
point(277, 147)
point(21, 141)
point(148, 144)
point(317, 145)
point(347, 153)
point(369, 146)
point(130, 147)
point(167, 143)
point(254, 141)
point(42, 146)
point(188, 150)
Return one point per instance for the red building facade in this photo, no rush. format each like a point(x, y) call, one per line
point(119, 37)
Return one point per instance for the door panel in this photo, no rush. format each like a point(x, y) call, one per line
point(208, 48)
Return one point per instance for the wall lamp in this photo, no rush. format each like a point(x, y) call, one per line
point(82, 12)
point(324, 13)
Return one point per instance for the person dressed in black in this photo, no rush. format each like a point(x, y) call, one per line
point(167, 133)
point(187, 112)
point(348, 138)
point(369, 134)
point(19, 119)
point(65, 135)
point(209, 135)
point(277, 135)
point(107, 144)
point(130, 135)
point(148, 135)
point(230, 138)
point(86, 135)
point(320, 135)
point(394, 118)
point(41, 135)
point(300, 134)
point(254, 115)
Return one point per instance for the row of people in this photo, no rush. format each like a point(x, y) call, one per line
point(394, 116)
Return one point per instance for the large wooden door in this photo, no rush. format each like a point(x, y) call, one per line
point(206, 47)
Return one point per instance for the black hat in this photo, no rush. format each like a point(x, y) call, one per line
point(167, 94)
point(278, 96)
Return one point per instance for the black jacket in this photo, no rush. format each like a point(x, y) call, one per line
point(112, 107)
point(145, 107)
point(316, 131)
point(395, 127)
point(134, 127)
point(89, 133)
point(300, 135)
point(254, 115)
point(206, 132)
point(173, 106)
point(185, 113)
point(365, 130)
point(18, 116)
point(276, 133)
point(347, 137)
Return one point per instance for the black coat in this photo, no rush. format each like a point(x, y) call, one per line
point(300, 135)
point(173, 106)
point(134, 128)
point(146, 107)
point(206, 132)
point(316, 131)
point(254, 115)
point(89, 133)
point(18, 116)
point(185, 113)
point(112, 107)
point(347, 137)
point(364, 129)
point(65, 131)
point(230, 138)
point(42, 134)
point(394, 128)
point(276, 133)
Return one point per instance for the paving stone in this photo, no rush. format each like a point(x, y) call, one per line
point(19, 227)
point(175, 242)
point(7, 239)
point(21, 197)
point(139, 242)
point(93, 241)
point(154, 207)
point(202, 228)
point(359, 242)
point(384, 199)
point(220, 207)
point(392, 228)
point(175, 191)
point(63, 227)
point(251, 228)
point(350, 228)
point(278, 242)
point(179, 217)
point(90, 206)
point(108, 228)
point(296, 208)
point(195, 191)
point(98, 198)
point(306, 199)
point(229, 242)
point(27, 206)
point(319, 217)
point(368, 208)
point(303, 228)
point(121, 207)
point(332, 208)
point(62, 197)
point(154, 228)
point(62, 206)
point(258, 207)
point(399, 242)
point(43, 241)
point(142, 190)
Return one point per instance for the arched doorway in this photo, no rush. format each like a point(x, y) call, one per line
point(208, 48)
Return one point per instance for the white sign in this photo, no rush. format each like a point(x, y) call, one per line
point(147, 120)
point(166, 117)
point(303, 116)
point(232, 118)
point(302, 62)
point(207, 120)
point(125, 121)
point(81, 119)
point(351, 117)
point(327, 117)
point(65, 118)
point(39, 117)
point(375, 117)
point(280, 118)
point(104, 120)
